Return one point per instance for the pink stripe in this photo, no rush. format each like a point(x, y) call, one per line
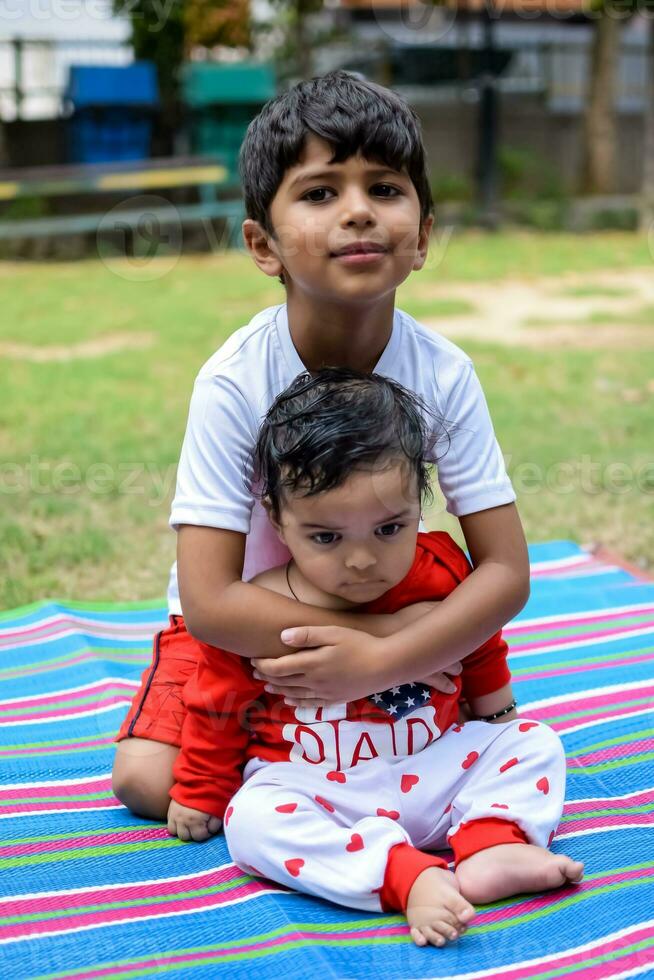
point(70, 712)
point(54, 748)
point(55, 664)
point(565, 567)
point(62, 622)
point(574, 638)
point(599, 823)
point(71, 843)
point(60, 696)
point(58, 789)
point(615, 752)
point(636, 799)
point(585, 667)
point(320, 937)
point(518, 628)
point(129, 893)
point(595, 701)
point(195, 904)
point(600, 949)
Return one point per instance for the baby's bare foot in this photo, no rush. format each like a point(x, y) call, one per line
point(514, 869)
point(436, 910)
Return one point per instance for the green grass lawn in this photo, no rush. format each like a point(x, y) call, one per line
point(89, 444)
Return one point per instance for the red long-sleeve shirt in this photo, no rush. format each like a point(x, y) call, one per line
point(231, 719)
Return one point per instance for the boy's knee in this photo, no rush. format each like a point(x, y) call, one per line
point(143, 783)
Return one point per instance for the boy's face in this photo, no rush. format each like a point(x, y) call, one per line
point(342, 231)
point(357, 540)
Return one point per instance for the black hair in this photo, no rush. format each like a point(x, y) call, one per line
point(331, 422)
point(350, 113)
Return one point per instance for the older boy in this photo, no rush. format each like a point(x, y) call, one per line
point(339, 208)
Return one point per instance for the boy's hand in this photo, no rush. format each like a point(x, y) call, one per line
point(332, 665)
point(189, 824)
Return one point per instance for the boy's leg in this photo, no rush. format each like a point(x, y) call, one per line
point(291, 824)
point(150, 735)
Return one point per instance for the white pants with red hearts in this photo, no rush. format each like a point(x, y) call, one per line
point(329, 834)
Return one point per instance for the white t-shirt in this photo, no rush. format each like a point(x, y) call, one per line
point(237, 385)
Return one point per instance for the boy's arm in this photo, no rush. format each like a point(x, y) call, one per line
point(223, 611)
point(480, 605)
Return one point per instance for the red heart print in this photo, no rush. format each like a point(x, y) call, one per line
point(327, 805)
point(228, 813)
point(447, 809)
point(543, 785)
point(458, 728)
point(293, 866)
point(501, 806)
point(286, 807)
point(336, 777)
point(391, 814)
point(526, 725)
point(509, 764)
point(356, 843)
point(408, 781)
point(469, 760)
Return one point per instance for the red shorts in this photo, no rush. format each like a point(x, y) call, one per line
point(157, 711)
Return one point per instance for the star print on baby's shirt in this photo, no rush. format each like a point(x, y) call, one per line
point(403, 699)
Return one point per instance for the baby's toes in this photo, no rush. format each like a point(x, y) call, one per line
point(461, 908)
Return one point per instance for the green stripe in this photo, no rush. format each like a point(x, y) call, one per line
point(615, 764)
point(87, 833)
point(620, 740)
point(296, 944)
point(55, 741)
point(69, 604)
point(57, 799)
point(632, 619)
point(577, 662)
point(75, 702)
point(126, 904)
point(377, 923)
point(112, 654)
point(648, 808)
point(77, 853)
point(593, 709)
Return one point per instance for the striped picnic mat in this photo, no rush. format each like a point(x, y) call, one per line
point(89, 890)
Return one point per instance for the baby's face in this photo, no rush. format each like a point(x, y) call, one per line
point(357, 540)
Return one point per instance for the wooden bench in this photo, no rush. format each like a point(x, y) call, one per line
point(218, 195)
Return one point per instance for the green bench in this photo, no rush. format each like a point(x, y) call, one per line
point(218, 195)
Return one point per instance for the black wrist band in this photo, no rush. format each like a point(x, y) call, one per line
point(498, 714)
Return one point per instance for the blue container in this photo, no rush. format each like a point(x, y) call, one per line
point(112, 112)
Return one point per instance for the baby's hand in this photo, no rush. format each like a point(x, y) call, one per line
point(189, 824)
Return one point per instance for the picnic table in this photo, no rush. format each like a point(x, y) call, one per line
point(217, 192)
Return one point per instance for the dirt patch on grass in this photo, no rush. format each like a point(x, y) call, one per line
point(505, 311)
point(100, 347)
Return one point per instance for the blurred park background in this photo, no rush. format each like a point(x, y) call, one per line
point(121, 269)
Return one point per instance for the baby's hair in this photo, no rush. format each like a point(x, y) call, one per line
point(331, 422)
point(351, 114)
